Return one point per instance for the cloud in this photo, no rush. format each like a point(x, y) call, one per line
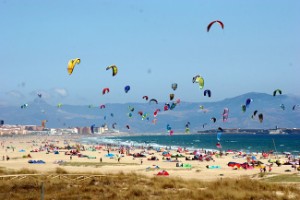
point(61, 92)
point(15, 93)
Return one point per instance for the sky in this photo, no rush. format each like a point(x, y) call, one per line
point(153, 43)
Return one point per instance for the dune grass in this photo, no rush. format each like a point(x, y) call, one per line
point(295, 178)
point(94, 164)
point(133, 186)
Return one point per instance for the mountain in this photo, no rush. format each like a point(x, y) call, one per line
point(200, 119)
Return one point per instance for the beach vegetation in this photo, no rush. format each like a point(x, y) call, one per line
point(62, 185)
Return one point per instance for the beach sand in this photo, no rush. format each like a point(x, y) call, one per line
point(18, 147)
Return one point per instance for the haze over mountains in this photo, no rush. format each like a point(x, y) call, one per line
point(200, 119)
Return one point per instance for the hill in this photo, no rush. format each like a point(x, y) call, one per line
point(177, 118)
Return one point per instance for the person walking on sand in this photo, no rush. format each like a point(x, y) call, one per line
point(141, 161)
point(101, 159)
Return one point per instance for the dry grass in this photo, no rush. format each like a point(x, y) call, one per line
point(133, 186)
point(295, 178)
point(94, 164)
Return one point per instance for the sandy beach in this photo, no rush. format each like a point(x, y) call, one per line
point(93, 159)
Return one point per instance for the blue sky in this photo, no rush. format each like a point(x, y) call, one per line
point(154, 44)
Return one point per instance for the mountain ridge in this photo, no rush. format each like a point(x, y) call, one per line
point(184, 112)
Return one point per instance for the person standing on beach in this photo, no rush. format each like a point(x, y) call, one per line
point(270, 168)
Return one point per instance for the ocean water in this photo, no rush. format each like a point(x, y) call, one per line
point(244, 142)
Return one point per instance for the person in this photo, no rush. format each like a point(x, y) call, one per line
point(141, 161)
point(264, 169)
point(119, 159)
point(101, 159)
point(270, 168)
point(70, 157)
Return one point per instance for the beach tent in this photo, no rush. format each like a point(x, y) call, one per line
point(189, 166)
point(163, 173)
point(213, 167)
point(110, 155)
point(153, 167)
point(36, 162)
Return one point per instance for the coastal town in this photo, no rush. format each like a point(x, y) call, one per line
point(7, 130)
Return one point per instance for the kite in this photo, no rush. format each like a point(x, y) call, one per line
point(225, 114)
point(114, 69)
point(187, 130)
point(102, 106)
point(260, 117)
point(24, 105)
point(213, 119)
point(207, 92)
point(153, 100)
point(171, 97)
point(277, 91)
point(211, 23)
point(294, 107)
point(127, 88)
point(244, 107)
point(248, 101)
point(72, 64)
point(198, 79)
point(156, 112)
point(282, 106)
point(173, 105)
point(166, 107)
point(39, 95)
point(174, 86)
point(254, 114)
point(59, 105)
point(131, 108)
point(145, 97)
point(105, 90)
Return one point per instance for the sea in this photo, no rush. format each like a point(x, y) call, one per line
point(238, 142)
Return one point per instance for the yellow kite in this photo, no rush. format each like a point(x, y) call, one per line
point(72, 64)
point(114, 69)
